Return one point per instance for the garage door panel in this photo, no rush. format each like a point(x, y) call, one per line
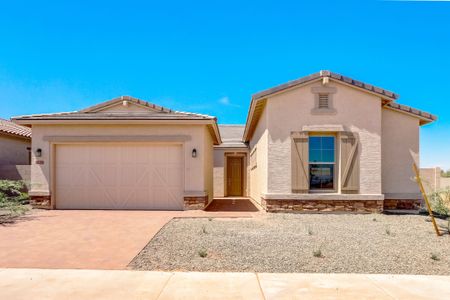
point(119, 176)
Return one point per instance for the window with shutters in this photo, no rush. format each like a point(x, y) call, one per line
point(322, 162)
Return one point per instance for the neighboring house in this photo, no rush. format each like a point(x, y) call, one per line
point(433, 181)
point(15, 143)
point(324, 142)
point(122, 154)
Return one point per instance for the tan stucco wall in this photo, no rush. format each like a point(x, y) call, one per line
point(13, 150)
point(219, 169)
point(259, 175)
point(208, 164)
point(433, 181)
point(400, 135)
point(195, 168)
point(357, 111)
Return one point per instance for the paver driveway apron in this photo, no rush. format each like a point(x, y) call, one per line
point(78, 239)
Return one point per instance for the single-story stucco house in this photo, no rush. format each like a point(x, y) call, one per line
point(324, 142)
point(15, 151)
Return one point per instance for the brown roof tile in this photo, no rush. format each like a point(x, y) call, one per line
point(14, 129)
point(322, 74)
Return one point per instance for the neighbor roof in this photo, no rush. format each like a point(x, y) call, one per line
point(95, 113)
point(259, 100)
point(11, 128)
point(231, 136)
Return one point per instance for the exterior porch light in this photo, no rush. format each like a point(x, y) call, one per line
point(194, 153)
point(38, 152)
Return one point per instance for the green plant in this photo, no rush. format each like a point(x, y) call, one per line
point(440, 202)
point(309, 231)
point(13, 196)
point(210, 219)
point(202, 253)
point(434, 257)
point(317, 253)
point(388, 231)
point(374, 219)
point(204, 231)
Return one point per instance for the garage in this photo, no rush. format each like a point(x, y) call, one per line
point(119, 176)
point(124, 153)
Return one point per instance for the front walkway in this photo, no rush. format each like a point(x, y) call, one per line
point(85, 239)
point(101, 284)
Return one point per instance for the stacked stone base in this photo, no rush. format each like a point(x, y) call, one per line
point(196, 202)
point(40, 202)
point(323, 206)
point(402, 204)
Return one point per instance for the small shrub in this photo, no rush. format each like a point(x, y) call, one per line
point(440, 202)
point(202, 253)
point(13, 196)
point(374, 219)
point(204, 231)
point(210, 219)
point(317, 253)
point(309, 231)
point(388, 231)
point(434, 257)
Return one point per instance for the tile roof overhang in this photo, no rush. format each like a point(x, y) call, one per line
point(94, 115)
point(258, 101)
point(10, 128)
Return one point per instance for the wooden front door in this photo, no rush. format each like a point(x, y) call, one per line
point(235, 176)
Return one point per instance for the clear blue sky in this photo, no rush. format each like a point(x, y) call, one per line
point(209, 57)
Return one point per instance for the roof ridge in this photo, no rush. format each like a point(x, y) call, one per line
point(327, 73)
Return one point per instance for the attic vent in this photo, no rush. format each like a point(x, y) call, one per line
point(323, 101)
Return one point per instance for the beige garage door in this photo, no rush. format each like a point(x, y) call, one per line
point(119, 176)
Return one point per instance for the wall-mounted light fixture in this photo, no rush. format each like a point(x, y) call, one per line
point(38, 152)
point(194, 153)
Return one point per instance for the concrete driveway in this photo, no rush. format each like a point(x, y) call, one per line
point(78, 239)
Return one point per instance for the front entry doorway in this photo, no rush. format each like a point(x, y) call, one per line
point(235, 176)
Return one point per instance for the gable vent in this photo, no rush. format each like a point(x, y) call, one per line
point(323, 101)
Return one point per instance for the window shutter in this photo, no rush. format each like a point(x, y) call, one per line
point(299, 162)
point(349, 163)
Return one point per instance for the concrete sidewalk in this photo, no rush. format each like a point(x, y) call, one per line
point(115, 284)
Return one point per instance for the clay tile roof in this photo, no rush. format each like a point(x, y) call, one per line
point(425, 116)
point(231, 136)
point(11, 128)
point(325, 73)
point(95, 113)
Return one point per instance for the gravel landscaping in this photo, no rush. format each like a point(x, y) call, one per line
point(300, 243)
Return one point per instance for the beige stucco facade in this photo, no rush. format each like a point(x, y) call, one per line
point(13, 150)
point(355, 111)
point(197, 171)
point(374, 138)
point(400, 138)
point(387, 136)
point(259, 146)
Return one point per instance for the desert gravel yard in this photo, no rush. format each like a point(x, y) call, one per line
point(300, 243)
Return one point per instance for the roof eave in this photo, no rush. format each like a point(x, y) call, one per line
point(422, 120)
